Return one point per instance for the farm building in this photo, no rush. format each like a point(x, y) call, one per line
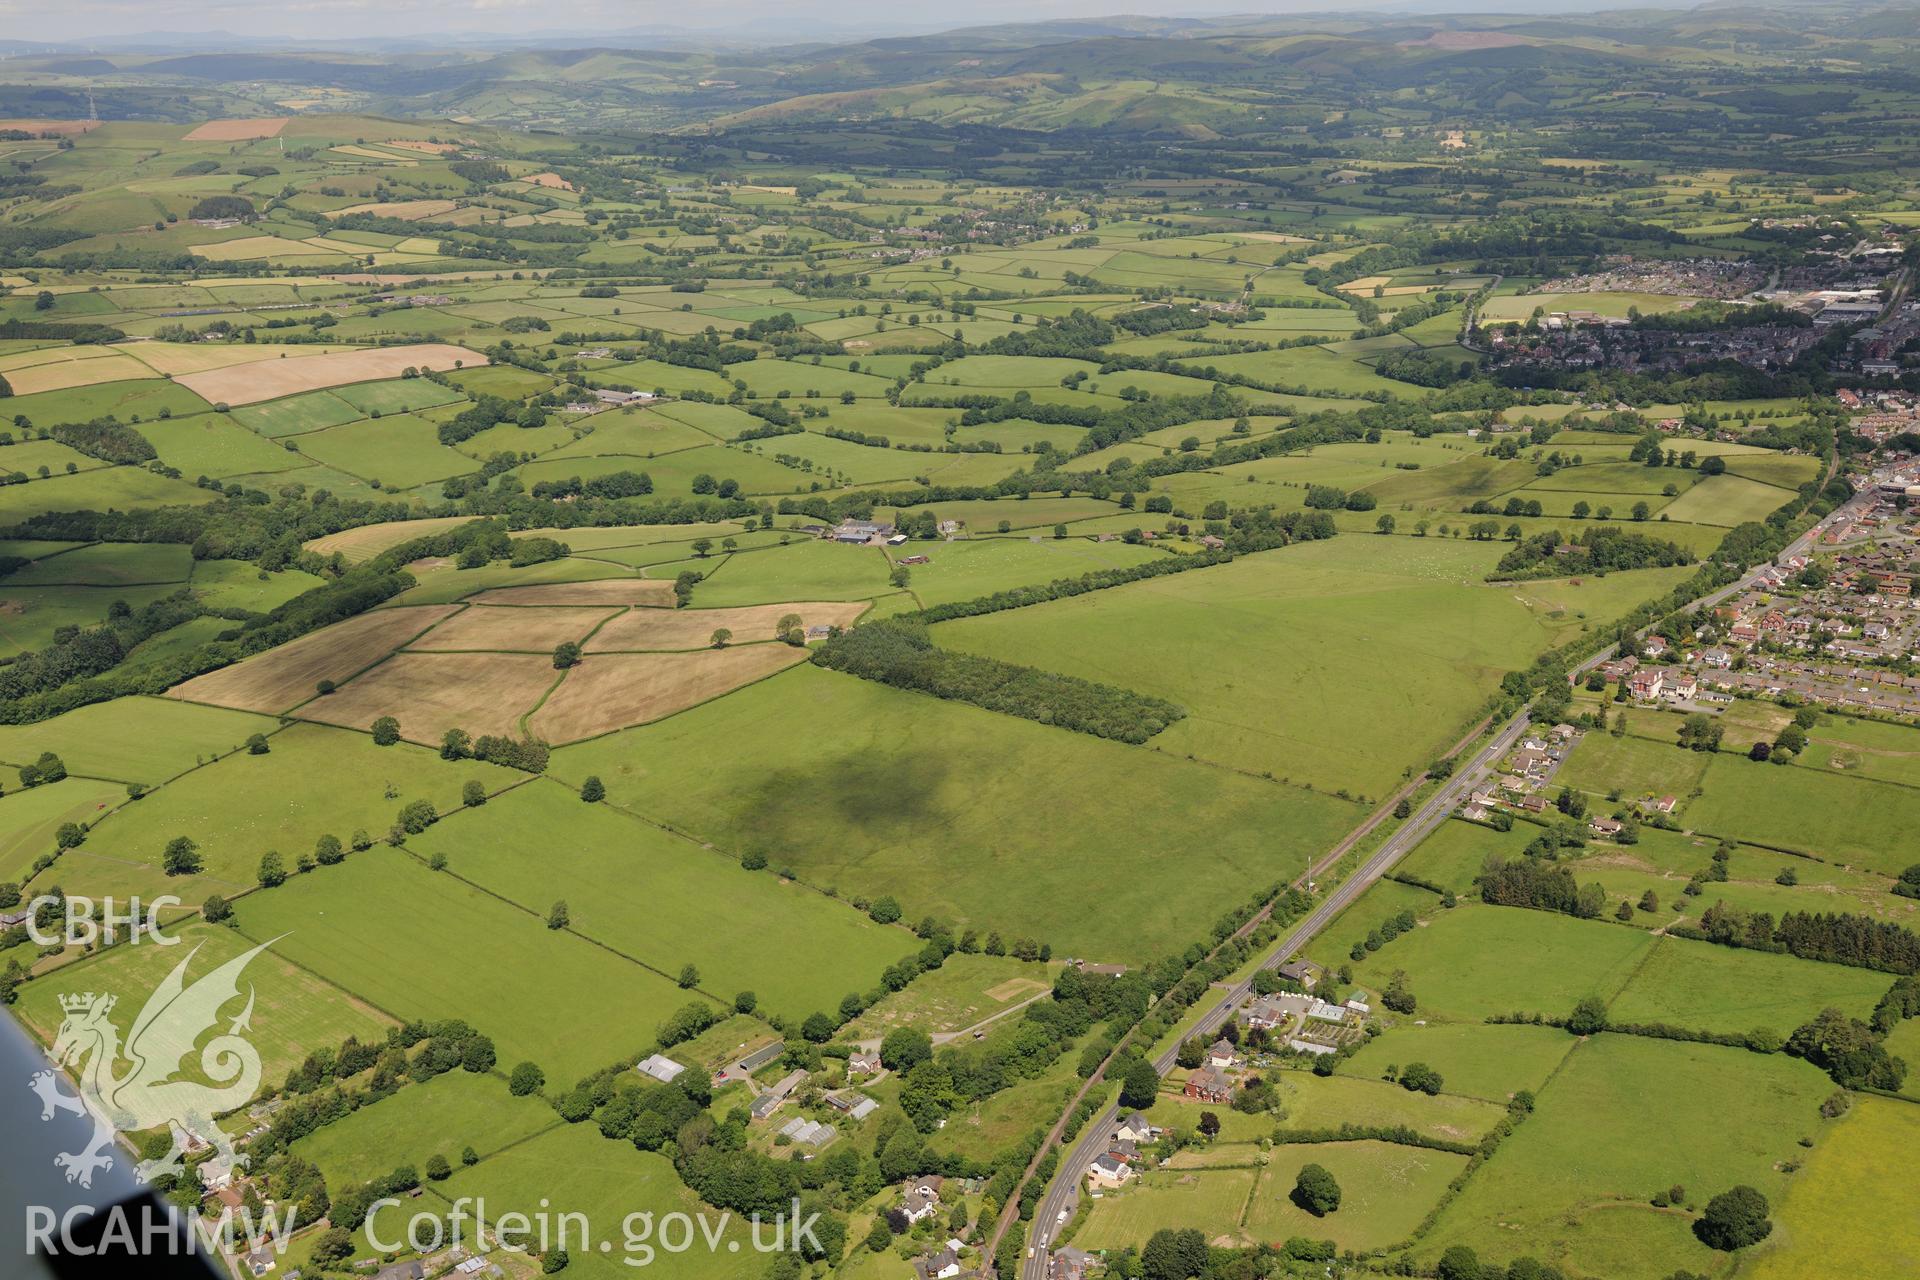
point(660, 1068)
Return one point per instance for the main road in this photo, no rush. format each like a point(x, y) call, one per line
point(1063, 1196)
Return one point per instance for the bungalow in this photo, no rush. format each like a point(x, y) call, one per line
point(1106, 1171)
point(1209, 1085)
point(1534, 804)
point(1605, 826)
point(1665, 804)
point(1300, 971)
point(1476, 812)
point(660, 1068)
point(1531, 762)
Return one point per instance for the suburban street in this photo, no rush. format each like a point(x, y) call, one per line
point(1063, 1195)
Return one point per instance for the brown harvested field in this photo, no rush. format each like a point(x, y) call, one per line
point(405, 210)
point(369, 540)
point(58, 128)
point(177, 358)
point(414, 144)
point(553, 180)
point(59, 375)
point(273, 681)
point(613, 690)
point(694, 628)
point(534, 629)
point(430, 693)
point(238, 130)
point(269, 380)
point(655, 592)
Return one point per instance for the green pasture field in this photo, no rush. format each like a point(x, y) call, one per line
point(1563, 1190)
point(504, 380)
point(1633, 767)
point(1476, 961)
point(849, 463)
point(446, 583)
point(673, 473)
point(634, 434)
point(1863, 749)
point(417, 944)
point(1320, 372)
point(399, 450)
point(1212, 1200)
point(768, 378)
point(576, 1171)
point(213, 445)
point(1787, 471)
point(313, 781)
point(1327, 1102)
point(1816, 1231)
point(1502, 308)
point(294, 1013)
point(239, 584)
point(657, 375)
point(1385, 1190)
point(312, 411)
point(970, 568)
point(982, 516)
point(28, 456)
point(1727, 500)
point(138, 739)
point(1831, 815)
point(147, 397)
point(961, 992)
point(1619, 478)
point(29, 616)
point(804, 570)
point(933, 832)
point(667, 902)
point(1225, 643)
point(1699, 985)
point(1456, 851)
point(1384, 900)
point(29, 818)
point(508, 437)
point(1491, 1063)
point(440, 1116)
point(125, 488)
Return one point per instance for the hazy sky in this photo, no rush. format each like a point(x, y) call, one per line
point(89, 20)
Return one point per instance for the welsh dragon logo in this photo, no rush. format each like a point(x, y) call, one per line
point(146, 1095)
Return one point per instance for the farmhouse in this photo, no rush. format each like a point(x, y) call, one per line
point(863, 1062)
point(769, 1102)
point(1209, 1084)
point(920, 1197)
point(661, 1068)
